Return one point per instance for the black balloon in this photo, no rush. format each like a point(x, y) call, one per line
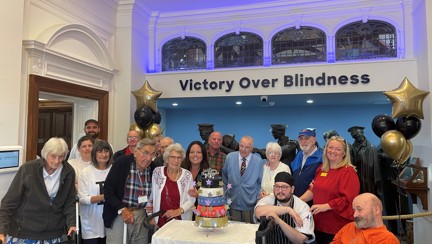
point(409, 126)
point(143, 116)
point(382, 123)
point(156, 118)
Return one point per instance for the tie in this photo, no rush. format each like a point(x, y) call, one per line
point(243, 166)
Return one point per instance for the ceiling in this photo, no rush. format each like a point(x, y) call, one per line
point(184, 5)
point(333, 99)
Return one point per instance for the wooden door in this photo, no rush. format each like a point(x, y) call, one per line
point(55, 119)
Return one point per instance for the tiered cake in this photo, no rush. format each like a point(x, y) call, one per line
point(211, 211)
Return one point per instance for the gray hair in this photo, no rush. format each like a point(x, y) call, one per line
point(55, 146)
point(177, 147)
point(275, 147)
point(145, 142)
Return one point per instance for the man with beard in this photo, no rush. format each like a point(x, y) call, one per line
point(306, 162)
point(294, 221)
point(368, 226)
point(364, 156)
point(91, 128)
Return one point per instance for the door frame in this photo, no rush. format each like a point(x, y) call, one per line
point(43, 84)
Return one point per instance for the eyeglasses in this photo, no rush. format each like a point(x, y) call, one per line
point(271, 153)
point(133, 137)
point(284, 188)
point(147, 153)
point(175, 158)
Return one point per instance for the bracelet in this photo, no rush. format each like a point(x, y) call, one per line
point(181, 211)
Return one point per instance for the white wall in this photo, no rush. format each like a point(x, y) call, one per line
point(11, 123)
point(423, 142)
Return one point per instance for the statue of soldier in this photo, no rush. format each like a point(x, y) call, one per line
point(290, 148)
point(364, 156)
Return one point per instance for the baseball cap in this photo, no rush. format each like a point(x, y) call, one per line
point(307, 132)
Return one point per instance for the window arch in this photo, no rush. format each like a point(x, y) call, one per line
point(299, 45)
point(183, 54)
point(370, 40)
point(238, 50)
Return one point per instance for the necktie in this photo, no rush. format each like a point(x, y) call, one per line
point(243, 166)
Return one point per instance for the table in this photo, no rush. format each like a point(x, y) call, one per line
point(182, 231)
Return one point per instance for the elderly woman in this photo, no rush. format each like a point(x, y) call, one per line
point(170, 186)
point(84, 145)
point(40, 202)
point(90, 192)
point(335, 186)
point(271, 168)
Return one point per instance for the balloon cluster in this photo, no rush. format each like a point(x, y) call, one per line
point(147, 117)
point(408, 109)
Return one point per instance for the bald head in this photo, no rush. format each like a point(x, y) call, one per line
point(215, 141)
point(367, 211)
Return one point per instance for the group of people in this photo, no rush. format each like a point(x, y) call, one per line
point(315, 198)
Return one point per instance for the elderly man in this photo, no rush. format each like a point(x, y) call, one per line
point(132, 139)
point(368, 226)
point(294, 221)
point(127, 190)
point(243, 171)
point(163, 144)
point(215, 157)
point(306, 162)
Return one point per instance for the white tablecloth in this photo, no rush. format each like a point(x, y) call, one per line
point(182, 231)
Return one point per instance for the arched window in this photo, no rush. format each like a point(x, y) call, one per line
point(244, 49)
point(303, 45)
point(183, 54)
point(370, 40)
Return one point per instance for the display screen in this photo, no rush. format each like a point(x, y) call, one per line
point(9, 159)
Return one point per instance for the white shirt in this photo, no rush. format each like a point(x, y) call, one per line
point(89, 184)
point(267, 181)
point(52, 182)
point(247, 160)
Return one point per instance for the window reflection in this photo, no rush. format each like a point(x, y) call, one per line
point(370, 40)
point(302, 45)
point(184, 54)
point(238, 50)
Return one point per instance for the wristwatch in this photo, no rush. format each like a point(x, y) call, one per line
point(120, 211)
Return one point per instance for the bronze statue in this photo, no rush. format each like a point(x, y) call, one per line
point(290, 148)
point(329, 134)
point(365, 158)
point(205, 130)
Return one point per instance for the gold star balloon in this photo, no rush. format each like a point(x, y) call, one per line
point(407, 100)
point(146, 95)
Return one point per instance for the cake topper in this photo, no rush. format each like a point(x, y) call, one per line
point(209, 173)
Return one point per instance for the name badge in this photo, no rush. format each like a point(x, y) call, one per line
point(324, 174)
point(142, 199)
